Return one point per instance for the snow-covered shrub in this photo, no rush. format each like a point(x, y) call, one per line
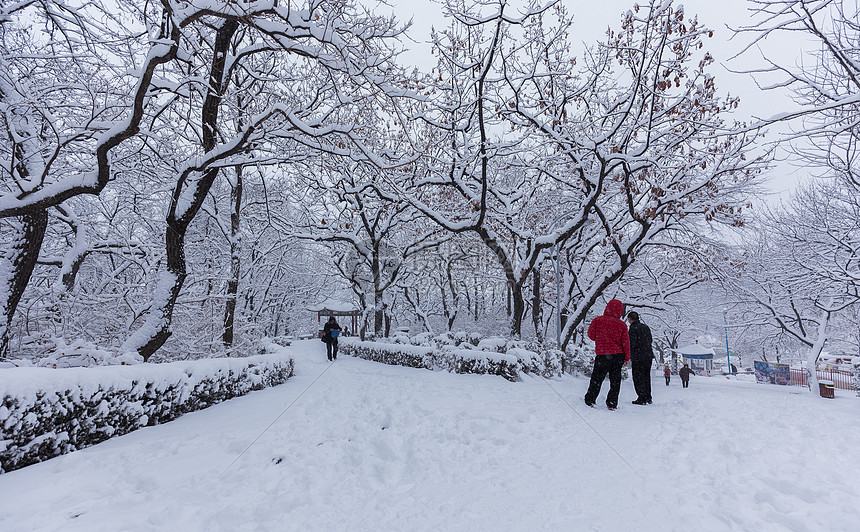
point(546, 362)
point(81, 353)
point(411, 356)
point(493, 343)
point(444, 339)
point(401, 339)
point(579, 361)
point(482, 363)
point(424, 339)
point(46, 412)
point(463, 337)
point(856, 374)
point(272, 345)
point(448, 358)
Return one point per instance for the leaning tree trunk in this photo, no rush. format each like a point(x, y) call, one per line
point(16, 268)
point(156, 330)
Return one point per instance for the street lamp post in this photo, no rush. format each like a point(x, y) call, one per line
point(728, 359)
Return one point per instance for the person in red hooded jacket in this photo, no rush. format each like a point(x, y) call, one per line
point(612, 349)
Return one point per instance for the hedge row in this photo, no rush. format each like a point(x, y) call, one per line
point(508, 365)
point(49, 412)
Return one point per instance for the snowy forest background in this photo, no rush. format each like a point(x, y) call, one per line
point(181, 179)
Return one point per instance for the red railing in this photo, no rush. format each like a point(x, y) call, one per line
point(841, 379)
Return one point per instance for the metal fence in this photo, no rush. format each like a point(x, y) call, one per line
point(841, 379)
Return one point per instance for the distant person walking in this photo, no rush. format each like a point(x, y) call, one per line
point(685, 373)
point(641, 356)
point(612, 350)
point(331, 331)
point(667, 373)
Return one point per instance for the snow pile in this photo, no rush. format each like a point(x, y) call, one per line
point(46, 412)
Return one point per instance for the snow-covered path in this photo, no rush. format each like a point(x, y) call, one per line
point(361, 446)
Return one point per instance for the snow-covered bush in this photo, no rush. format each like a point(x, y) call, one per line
point(410, 356)
point(46, 412)
point(546, 362)
point(464, 337)
point(856, 374)
point(81, 353)
point(463, 359)
point(579, 361)
point(481, 363)
point(493, 343)
point(424, 339)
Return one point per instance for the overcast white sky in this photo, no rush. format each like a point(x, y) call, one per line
point(591, 19)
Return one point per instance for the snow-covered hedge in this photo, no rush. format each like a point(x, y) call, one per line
point(48, 412)
point(448, 358)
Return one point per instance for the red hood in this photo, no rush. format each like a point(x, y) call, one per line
point(614, 309)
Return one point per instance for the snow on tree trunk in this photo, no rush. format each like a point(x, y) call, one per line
point(16, 268)
point(235, 262)
point(815, 352)
point(156, 330)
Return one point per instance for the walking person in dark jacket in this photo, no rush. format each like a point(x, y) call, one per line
point(331, 331)
point(612, 350)
point(641, 356)
point(685, 373)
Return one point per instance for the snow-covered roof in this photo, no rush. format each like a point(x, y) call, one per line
point(333, 305)
point(695, 349)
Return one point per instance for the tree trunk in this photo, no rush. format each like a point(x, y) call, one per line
point(235, 262)
point(519, 309)
point(815, 352)
point(20, 261)
point(537, 308)
point(156, 330)
point(378, 309)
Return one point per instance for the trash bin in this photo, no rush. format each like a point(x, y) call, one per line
point(826, 389)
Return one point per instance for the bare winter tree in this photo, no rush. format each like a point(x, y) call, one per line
point(67, 103)
point(601, 157)
point(328, 50)
point(377, 235)
point(800, 268)
point(826, 126)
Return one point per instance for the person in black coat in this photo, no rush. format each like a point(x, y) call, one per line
point(685, 373)
point(330, 338)
point(641, 356)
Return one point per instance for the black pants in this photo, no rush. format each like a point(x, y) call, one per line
point(685, 382)
point(331, 349)
point(641, 372)
point(603, 365)
point(668, 378)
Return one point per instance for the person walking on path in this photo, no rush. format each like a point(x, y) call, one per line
point(612, 350)
point(667, 373)
point(685, 373)
point(331, 331)
point(641, 356)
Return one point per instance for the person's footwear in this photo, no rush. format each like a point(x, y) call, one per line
point(613, 408)
point(648, 402)
point(639, 402)
point(589, 404)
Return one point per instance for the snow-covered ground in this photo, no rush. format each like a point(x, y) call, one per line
point(361, 446)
